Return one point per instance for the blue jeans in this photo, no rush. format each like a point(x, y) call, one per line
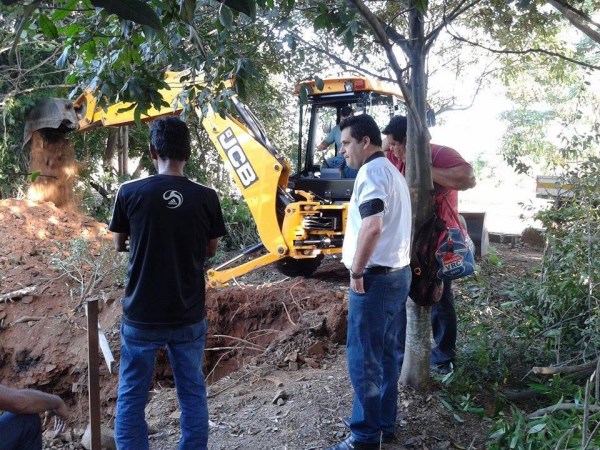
point(372, 348)
point(185, 347)
point(339, 161)
point(443, 324)
point(19, 432)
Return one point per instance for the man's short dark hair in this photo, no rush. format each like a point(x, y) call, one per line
point(170, 138)
point(397, 128)
point(346, 111)
point(361, 126)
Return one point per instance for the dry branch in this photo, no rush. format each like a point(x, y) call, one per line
point(27, 319)
point(559, 407)
point(565, 369)
point(17, 293)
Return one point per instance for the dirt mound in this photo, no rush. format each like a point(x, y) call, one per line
point(42, 338)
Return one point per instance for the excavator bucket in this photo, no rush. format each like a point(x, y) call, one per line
point(54, 113)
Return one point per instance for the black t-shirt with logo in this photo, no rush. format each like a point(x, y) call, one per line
point(170, 220)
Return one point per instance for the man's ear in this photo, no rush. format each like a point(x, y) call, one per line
point(153, 153)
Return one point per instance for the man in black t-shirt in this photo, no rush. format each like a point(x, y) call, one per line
point(172, 224)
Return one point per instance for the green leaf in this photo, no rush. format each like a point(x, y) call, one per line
point(322, 21)
point(61, 62)
point(421, 6)
point(349, 40)
point(34, 176)
point(71, 30)
point(319, 83)
point(47, 27)
point(247, 7)
point(187, 10)
point(135, 10)
point(62, 13)
point(458, 418)
point(536, 428)
point(304, 92)
point(226, 17)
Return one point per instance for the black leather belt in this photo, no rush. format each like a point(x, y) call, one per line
point(378, 270)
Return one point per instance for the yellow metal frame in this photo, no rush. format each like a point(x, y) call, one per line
point(338, 85)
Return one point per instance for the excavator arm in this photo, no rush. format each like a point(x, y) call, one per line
point(291, 224)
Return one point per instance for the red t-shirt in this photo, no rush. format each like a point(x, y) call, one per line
point(442, 157)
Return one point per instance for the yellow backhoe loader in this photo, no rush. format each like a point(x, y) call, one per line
point(300, 216)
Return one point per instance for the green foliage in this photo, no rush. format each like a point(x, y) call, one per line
point(241, 229)
point(560, 429)
point(566, 298)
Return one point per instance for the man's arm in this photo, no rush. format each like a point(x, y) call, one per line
point(459, 178)
point(368, 236)
point(29, 401)
point(324, 145)
point(120, 241)
point(211, 248)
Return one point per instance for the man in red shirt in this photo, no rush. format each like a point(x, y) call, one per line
point(450, 173)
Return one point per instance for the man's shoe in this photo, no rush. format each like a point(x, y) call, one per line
point(351, 444)
point(386, 438)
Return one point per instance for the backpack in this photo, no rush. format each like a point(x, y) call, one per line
point(455, 251)
point(426, 287)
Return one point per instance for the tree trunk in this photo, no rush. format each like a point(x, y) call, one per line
point(123, 146)
point(111, 148)
point(415, 369)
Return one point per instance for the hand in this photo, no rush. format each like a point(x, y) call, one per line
point(357, 285)
point(60, 423)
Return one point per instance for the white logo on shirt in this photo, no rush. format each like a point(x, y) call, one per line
point(174, 199)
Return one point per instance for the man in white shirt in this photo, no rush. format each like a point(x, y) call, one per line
point(377, 252)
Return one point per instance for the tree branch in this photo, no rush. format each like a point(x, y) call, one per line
point(559, 407)
point(381, 34)
point(524, 52)
point(578, 19)
point(459, 9)
point(340, 61)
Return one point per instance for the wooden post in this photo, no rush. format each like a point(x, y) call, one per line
point(93, 373)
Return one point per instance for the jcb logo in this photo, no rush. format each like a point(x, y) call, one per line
point(237, 158)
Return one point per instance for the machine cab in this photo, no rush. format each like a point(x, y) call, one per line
point(322, 104)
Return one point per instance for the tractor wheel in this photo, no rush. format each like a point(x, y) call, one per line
point(292, 267)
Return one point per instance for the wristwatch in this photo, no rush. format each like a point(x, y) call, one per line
point(354, 275)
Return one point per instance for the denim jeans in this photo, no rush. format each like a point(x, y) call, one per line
point(339, 161)
point(185, 347)
point(373, 352)
point(443, 324)
point(19, 432)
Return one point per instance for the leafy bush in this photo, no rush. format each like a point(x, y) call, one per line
point(567, 297)
point(241, 228)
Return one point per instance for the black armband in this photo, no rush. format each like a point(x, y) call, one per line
point(371, 207)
